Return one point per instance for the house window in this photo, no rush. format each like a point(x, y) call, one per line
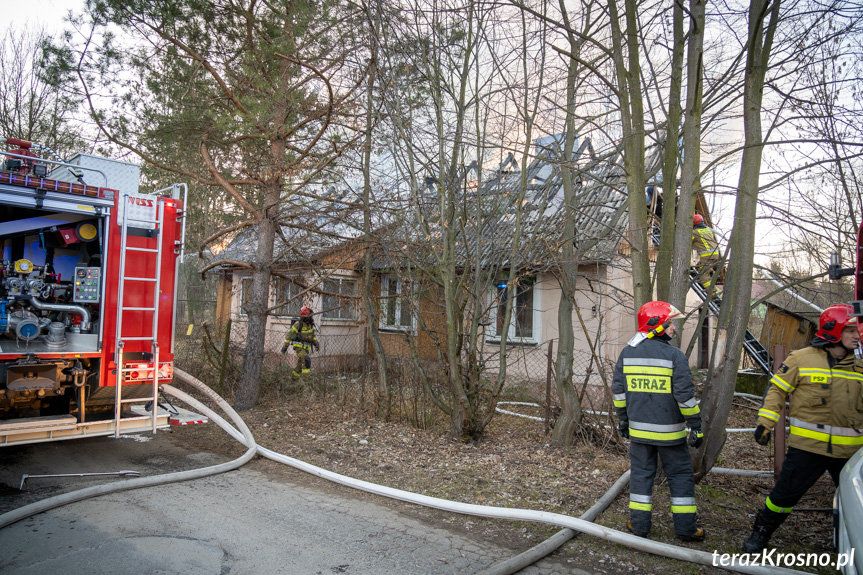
point(245, 295)
point(397, 303)
point(339, 300)
point(287, 293)
point(524, 321)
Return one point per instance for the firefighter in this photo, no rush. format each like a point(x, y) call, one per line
point(705, 245)
point(826, 416)
point(302, 338)
point(654, 398)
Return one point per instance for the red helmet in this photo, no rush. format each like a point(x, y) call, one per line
point(655, 313)
point(697, 219)
point(305, 311)
point(833, 320)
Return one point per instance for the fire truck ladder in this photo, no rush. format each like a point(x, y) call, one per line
point(153, 337)
point(753, 347)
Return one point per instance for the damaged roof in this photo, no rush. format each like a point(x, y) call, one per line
point(490, 214)
point(488, 218)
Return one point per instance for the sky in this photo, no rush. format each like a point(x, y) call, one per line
point(50, 14)
point(47, 13)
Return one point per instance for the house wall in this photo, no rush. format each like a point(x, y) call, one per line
point(529, 362)
point(430, 332)
point(602, 297)
point(620, 317)
point(337, 337)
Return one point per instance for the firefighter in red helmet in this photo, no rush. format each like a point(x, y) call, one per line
point(826, 418)
point(302, 338)
point(705, 245)
point(655, 399)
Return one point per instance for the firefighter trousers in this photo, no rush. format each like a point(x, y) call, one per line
point(304, 362)
point(708, 269)
point(677, 464)
point(800, 470)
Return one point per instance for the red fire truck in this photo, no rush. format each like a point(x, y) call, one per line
point(88, 270)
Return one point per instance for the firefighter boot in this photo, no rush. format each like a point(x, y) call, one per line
point(762, 530)
point(695, 537)
point(633, 531)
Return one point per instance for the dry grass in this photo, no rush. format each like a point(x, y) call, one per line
point(515, 466)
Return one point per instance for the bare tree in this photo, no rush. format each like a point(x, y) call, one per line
point(32, 106)
point(717, 395)
point(625, 50)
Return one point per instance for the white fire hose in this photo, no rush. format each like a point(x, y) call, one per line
point(95, 491)
point(245, 437)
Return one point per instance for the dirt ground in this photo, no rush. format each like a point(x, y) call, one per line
point(514, 465)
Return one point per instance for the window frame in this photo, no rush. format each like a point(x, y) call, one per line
point(351, 304)
point(284, 310)
point(245, 284)
point(536, 315)
point(398, 302)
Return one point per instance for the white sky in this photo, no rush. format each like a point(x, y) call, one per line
point(47, 13)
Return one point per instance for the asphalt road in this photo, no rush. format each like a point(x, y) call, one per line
point(259, 519)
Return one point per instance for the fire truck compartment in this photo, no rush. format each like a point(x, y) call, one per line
point(50, 279)
point(87, 282)
point(50, 306)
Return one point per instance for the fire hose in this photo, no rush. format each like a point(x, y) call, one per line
point(242, 434)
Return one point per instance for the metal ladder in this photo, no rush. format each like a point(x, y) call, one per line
point(753, 347)
point(153, 338)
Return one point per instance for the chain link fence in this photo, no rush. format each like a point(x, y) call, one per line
point(345, 369)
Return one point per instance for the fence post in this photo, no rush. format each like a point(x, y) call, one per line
point(225, 347)
point(779, 431)
point(548, 388)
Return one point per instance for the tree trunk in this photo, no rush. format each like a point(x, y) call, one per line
point(571, 413)
point(253, 356)
point(632, 116)
point(384, 399)
point(670, 164)
point(691, 169)
point(734, 314)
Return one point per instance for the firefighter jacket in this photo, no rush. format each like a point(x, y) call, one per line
point(653, 393)
point(826, 414)
point(705, 245)
point(302, 335)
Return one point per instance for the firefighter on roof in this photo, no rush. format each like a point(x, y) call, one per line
point(302, 338)
point(705, 245)
point(654, 398)
point(826, 416)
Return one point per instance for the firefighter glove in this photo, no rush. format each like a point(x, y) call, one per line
point(696, 438)
point(317, 346)
point(284, 348)
point(762, 436)
point(623, 429)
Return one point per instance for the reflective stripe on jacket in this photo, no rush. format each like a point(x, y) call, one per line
point(704, 244)
point(301, 335)
point(826, 414)
point(653, 393)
